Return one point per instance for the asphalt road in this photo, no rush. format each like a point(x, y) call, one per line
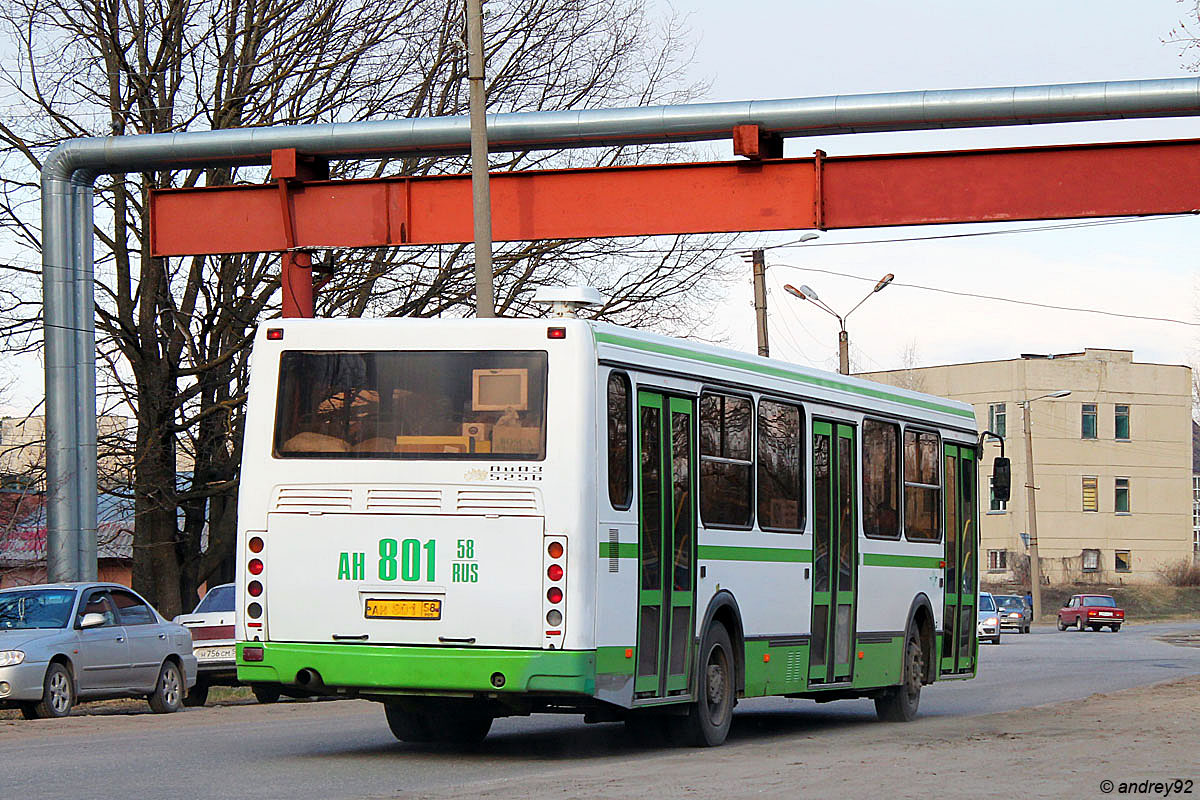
point(343, 749)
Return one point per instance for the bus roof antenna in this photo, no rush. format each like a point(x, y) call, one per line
point(565, 301)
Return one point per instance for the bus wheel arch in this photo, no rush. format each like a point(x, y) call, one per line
point(723, 609)
point(920, 621)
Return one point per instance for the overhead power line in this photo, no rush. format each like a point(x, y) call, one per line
point(996, 298)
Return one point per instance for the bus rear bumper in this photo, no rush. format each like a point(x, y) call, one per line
point(416, 669)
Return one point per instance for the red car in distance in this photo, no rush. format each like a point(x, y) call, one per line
point(1093, 611)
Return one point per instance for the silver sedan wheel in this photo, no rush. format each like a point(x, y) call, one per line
point(170, 687)
point(59, 690)
point(168, 692)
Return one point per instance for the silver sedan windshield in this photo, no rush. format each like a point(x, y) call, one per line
point(36, 608)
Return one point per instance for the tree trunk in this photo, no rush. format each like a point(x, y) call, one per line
point(156, 556)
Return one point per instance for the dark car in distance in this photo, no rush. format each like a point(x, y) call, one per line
point(1013, 612)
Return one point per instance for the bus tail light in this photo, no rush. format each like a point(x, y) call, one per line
point(554, 591)
point(255, 601)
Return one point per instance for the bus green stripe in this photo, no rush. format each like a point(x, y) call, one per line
point(718, 553)
point(619, 550)
point(778, 372)
point(885, 560)
point(715, 552)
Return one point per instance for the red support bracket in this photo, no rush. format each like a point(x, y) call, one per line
point(756, 144)
point(290, 170)
point(819, 190)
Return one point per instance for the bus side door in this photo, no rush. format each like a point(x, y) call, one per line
point(959, 643)
point(835, 552)
point(667, 544)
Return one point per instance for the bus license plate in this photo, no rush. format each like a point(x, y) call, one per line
point(404, 609)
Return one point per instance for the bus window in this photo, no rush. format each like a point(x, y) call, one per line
point(725, 460)
point(411, 404)
point(922, 486)
point(619, 484)
point(780, 466)
point(881, 479)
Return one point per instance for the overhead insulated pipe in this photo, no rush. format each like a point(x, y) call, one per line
point(69, 171)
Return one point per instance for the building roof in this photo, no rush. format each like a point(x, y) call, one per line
point(23, 527)
point(1114, 354)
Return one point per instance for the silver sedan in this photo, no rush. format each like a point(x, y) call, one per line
point(61, 643)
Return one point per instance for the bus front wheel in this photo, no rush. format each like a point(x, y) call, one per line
point(899, 703)
point(708, 719)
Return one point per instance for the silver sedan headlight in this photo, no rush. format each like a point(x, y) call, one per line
point(990, 621)
point(10, 658)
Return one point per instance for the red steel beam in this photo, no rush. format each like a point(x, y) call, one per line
point(1098, 180)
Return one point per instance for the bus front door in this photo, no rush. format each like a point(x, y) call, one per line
point(835, 553)
point(959, 645)
point(667, 545)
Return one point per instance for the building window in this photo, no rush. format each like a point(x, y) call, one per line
point(1088, 423)
point(1121, 496)
point(1091, 560)
point(620, 487)
point(726, 465)
point(997, 419)
point(881, 479)
point(1196, 514)
point(1091, 494)
point(997, 560)
point(780, 466)
point(995, 506)
point(1121, 423)
point(1124, 561)
point(922, 486)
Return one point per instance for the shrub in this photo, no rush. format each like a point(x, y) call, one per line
point(1184, 572)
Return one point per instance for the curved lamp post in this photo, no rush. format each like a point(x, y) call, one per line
point(807, 293)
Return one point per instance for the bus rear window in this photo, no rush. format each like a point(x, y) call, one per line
point(481, 405)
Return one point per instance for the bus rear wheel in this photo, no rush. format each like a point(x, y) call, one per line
point(266, 692)
point(900, 703)
point(708, 719)
point(407, 726)
point(463, 728)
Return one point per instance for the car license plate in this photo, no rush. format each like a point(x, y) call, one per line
point(214, 653)
point(1106, 613)
point(403, 609)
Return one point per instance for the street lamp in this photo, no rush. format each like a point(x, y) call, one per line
point(807, 293)
point(1035, 565)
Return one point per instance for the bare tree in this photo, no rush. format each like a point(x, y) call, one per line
point(173, 334)
point(910, 361)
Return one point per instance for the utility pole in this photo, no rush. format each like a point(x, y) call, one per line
point(1035, 565)
point(843, 352)
point(760, 300)
point(481, 195)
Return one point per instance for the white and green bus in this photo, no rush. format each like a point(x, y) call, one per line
point(468, 519)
